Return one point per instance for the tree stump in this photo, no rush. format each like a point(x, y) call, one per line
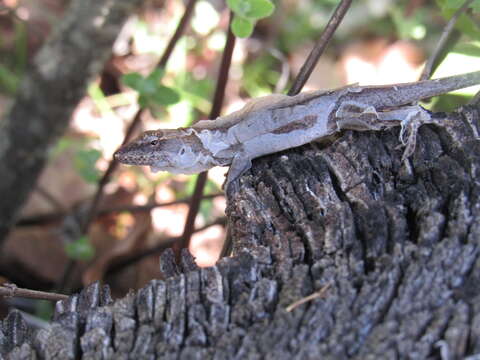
point(389, 251)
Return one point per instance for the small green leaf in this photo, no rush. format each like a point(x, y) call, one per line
point(157, 74)
point(453, 4)
point(133, 80)
point(149, 86)
point(8, 80)
point(85, 161)
point(242, 27)
point(457, 4)
point(151, 91)
point(469, 49)
point(44, 309)
point(465, 23)
point(237, 6)
point(476, 5)
point(251, 9)
point(143, 101)
point(81, 249)
point(260, 9)
point(166, 96)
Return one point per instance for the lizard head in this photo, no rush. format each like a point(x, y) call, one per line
point(177, 151)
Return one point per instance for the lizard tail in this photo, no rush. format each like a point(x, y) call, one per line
point(403, 94)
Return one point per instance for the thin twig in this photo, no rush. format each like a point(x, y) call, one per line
point(443, 43)
point(318, 294)
point(319, 47)
point(11, 290)
point(475, 100)
point(162, 245)
point(91, 213)
point(136, 121)
point(178, 33)
point(153, 205)
point(57, 216)
point(50, 198)
point(214, 113)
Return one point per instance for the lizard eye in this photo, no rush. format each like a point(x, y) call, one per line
point(154, 142)
point(182, 151)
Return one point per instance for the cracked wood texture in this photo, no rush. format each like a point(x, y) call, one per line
point(397, 244)
point(55, 82)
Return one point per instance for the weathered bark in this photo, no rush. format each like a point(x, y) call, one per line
point(56, 81)
point(397, 244)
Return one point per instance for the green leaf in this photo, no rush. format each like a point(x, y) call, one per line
point(149, 86)
point(260, 9)
point(469, 49)
point(157, 74)
point(251, 9)
point(143, 101)
point(165, 96)
point(453, 4)
point(465, 23)
point(85, 161)
point(457, 4)
point(468, 27)
point(44, 309)
point(242, 27)
point(411, 27)
point(238, 6)
point(476, 5)
point(21, 46)
point(8, 80)
point(133, 80)
point(81, 249)
point(206, 208)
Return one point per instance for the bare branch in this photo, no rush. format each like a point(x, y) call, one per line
point(214, 113)
point(157, 249)
point(319, 47)
point(443, 43)
point(136, 120)
point(11, 290)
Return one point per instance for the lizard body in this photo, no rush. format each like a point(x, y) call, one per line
point(277, 122)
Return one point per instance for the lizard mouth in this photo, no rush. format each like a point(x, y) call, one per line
point(125, 155)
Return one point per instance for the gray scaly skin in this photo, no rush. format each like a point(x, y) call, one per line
point(277, 122)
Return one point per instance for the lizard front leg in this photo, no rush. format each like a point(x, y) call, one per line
point(360, 117)
point(241, 162)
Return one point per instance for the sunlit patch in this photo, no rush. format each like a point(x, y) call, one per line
point(168, 220)
point(216, 41)
point(359, 71)
point(377, 63)
point(206, 245)
point(398, 64)
point(23, 13)
point(128, 180)
point(419, 32)
point(206, 18)
point(455, 61)
point(124, 223)
point(218, 174)
point(108, 128)
point(11, 3)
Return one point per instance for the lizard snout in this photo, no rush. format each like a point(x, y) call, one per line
point(134, 154)
point(119, 155)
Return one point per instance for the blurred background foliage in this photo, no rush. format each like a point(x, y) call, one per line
point(379, 42)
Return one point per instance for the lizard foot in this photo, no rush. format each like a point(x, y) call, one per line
point(231, 188)
point(409, 130)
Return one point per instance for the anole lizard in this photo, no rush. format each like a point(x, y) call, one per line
point(277, 122)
